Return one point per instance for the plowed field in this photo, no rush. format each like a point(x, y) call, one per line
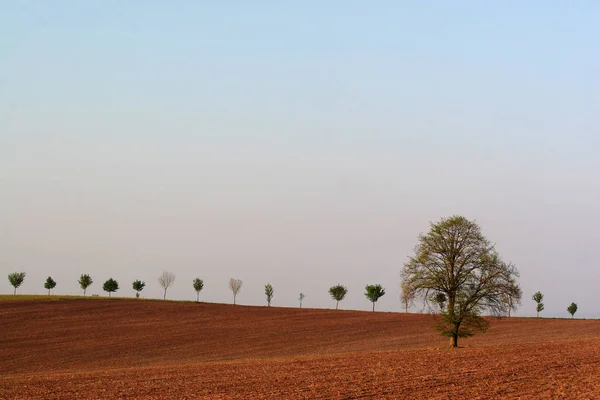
point(88, 349)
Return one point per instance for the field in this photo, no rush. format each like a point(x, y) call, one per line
point(82, 349)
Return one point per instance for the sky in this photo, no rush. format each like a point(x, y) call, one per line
point(303, 144)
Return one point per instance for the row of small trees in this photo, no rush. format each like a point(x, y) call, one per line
point(166, 280)
point(538, 297)
point(337, 292)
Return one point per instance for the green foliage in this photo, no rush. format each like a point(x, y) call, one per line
point(85, 281)
point(440, 299)
point(447, 324)
point(16, 279)
point(49, 284)
point(269, 292)
point(539, 308)
point(538, 297)
point(198, 286)
point(138, 286)
point(373, 293)
point(110, 286)
point(572, 309)
point(454, 259)
point(338, 293)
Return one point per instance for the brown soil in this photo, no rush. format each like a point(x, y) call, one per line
point(83, 349)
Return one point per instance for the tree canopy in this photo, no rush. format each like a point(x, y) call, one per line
point(456, 260)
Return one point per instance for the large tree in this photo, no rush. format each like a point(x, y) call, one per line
point(456, 260)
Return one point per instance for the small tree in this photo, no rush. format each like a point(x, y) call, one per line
point(572, 309)
point(50, 284)
point(138, 286)
point(301, 297)
point(538, 297)
point(16, 279)
point(235, 285)
point(338, 293)
point(407, 296)
point(269, 292)
point(198, 286)
point(110, 286)
point(166, 279)
point(85, 281)
point(373, 293)
point(513, 300)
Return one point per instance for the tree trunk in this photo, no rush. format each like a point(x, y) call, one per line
point(165, 295)
point(406, 308)
point(373, 306)
point(337, 303)
point(454, 340)
point(234, 299)
point(84, 290)
point(109, 294)
point(451, 314)
point(48, 292)
point(15, 292)
point(197, 297)
point(300, 303)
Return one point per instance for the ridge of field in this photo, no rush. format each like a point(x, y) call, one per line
point(196, 350)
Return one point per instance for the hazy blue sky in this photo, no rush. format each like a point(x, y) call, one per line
point(297, 143)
